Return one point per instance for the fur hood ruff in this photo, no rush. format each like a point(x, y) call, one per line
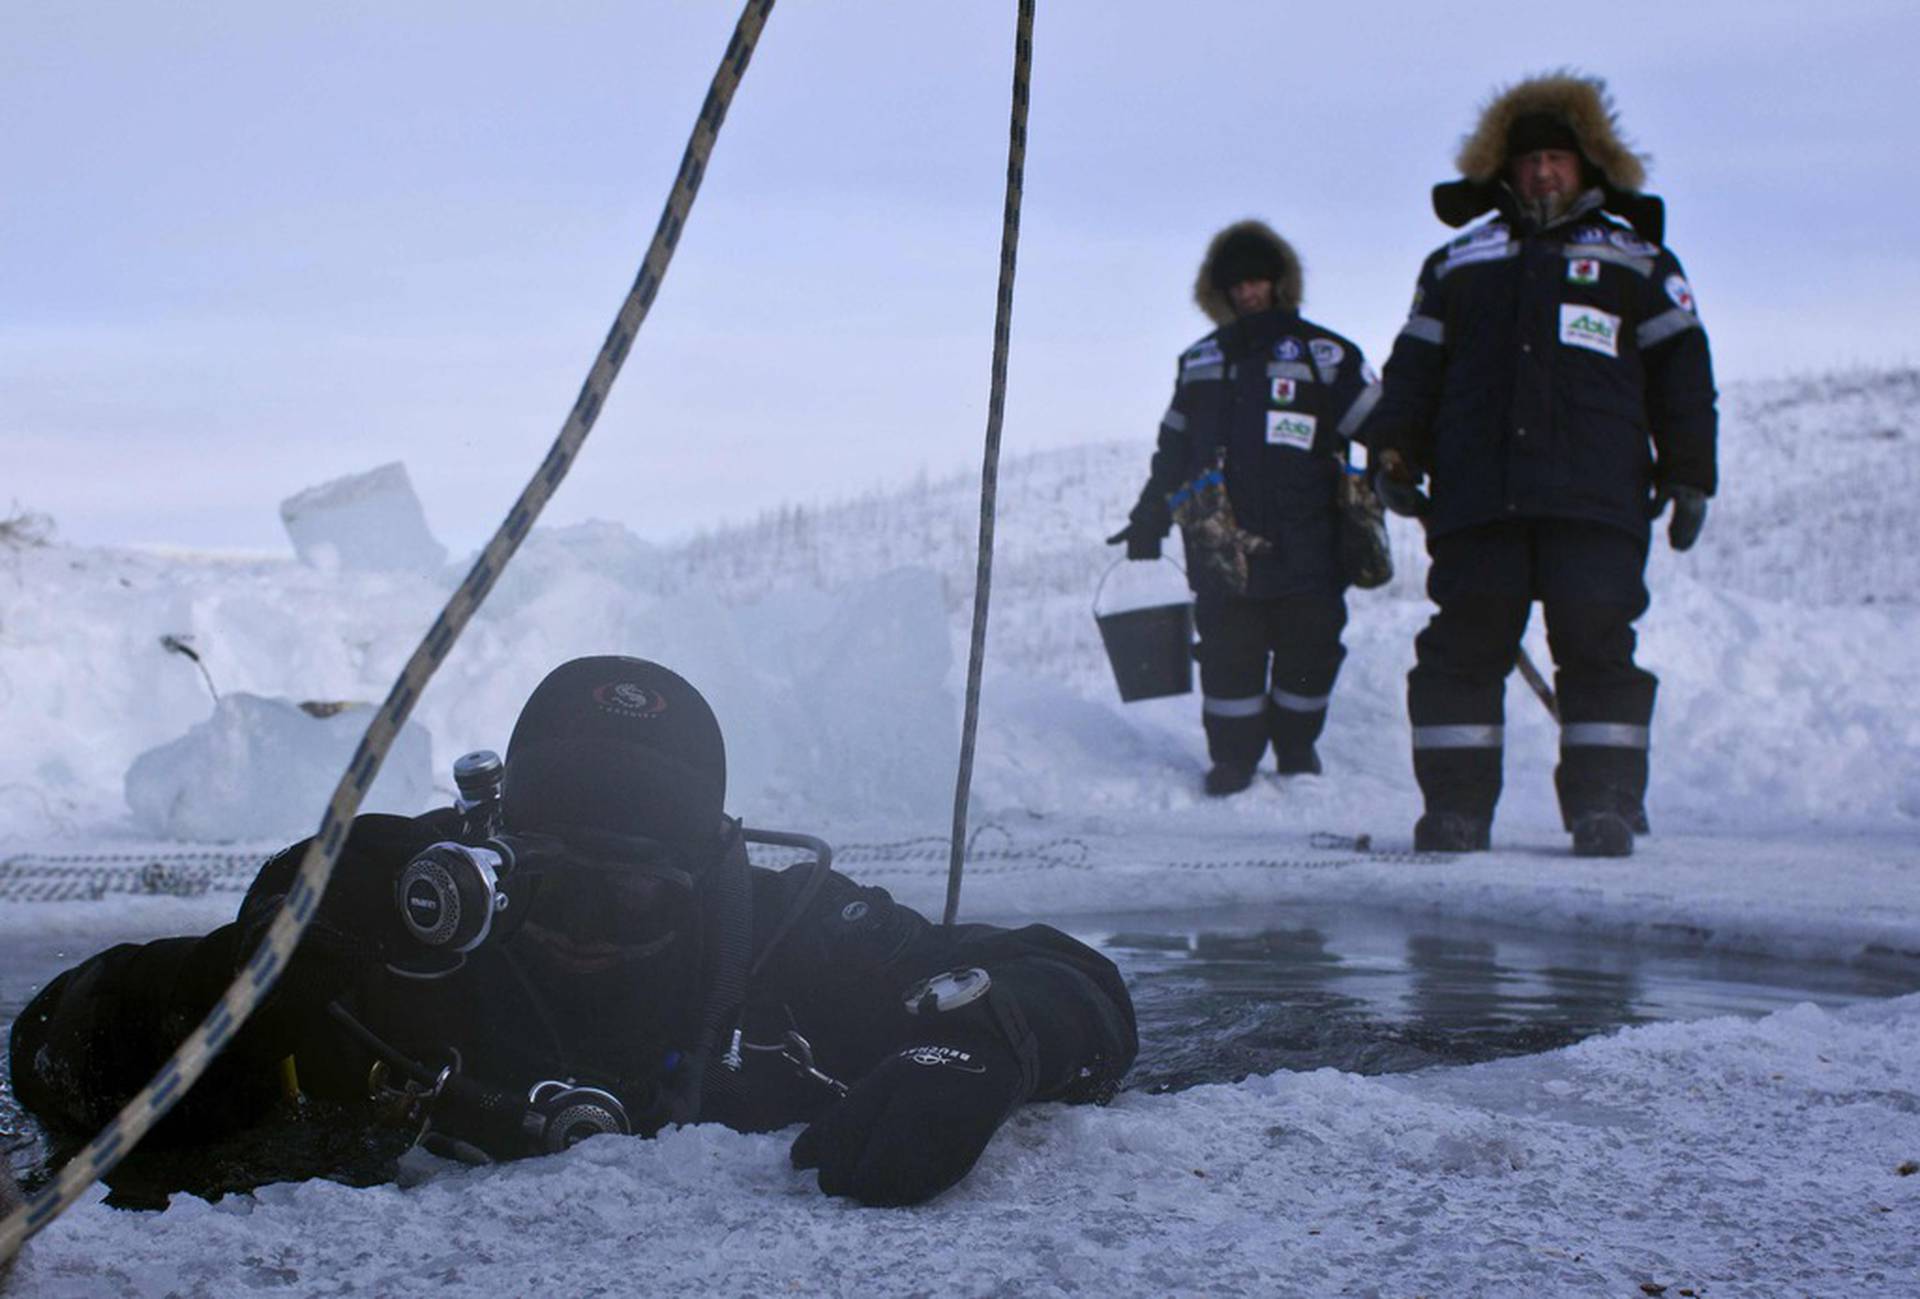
point(1289, 288)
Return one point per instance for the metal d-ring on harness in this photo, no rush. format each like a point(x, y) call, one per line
point(190, 1060)
point(793, 1047)
point(556, 1113)
point(798, 1052)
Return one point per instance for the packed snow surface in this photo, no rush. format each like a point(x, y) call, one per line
point(1728, 1156)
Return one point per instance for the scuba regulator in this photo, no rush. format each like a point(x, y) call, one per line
point(458, 896)
point(447, 895)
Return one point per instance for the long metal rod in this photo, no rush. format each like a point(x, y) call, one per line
point(190, 1060)
point(990, 471)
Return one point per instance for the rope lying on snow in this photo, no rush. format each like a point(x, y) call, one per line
point(190, 1060)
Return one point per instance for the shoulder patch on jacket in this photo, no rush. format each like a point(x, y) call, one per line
point(1327, 356)
point(1487, 232)
point(1204, 360)
point(1490, 242)
point(1628, 242)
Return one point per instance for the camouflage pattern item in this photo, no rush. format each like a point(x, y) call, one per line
point(1217, 546)
point(1366, 556)
point(10, 1200)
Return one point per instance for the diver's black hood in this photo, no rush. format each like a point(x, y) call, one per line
point(617, 745)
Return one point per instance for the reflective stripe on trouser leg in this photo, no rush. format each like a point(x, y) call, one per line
point(1303, 634)
point(1458, 737)
point(1458, 767)
point(1456, 693)
point(1236, 728)
point(1233, 679)
point(1606, 699)
point(1294, 722)
point(1603, 767)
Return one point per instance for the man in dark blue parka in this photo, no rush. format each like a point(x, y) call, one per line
point(1250, 453)
point(1553, 385)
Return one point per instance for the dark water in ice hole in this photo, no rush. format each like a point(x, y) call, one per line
point(1225, 994)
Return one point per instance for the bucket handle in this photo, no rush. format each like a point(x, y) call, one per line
point(1102, 584)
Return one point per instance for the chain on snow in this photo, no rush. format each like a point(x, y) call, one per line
point(89, 877)
point(992, 849)
point(1005, 855)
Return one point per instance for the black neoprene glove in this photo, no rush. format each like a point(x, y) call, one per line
point(915, 1125)
point(1141, 544)
point(356, 926)
point(1689, 514)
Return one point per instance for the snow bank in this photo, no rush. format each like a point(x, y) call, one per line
point(1725, 1156)
point(258, 769)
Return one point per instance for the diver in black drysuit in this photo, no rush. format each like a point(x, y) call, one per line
point(639, 972)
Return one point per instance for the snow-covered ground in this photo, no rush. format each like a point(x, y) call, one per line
point(1726, 1156)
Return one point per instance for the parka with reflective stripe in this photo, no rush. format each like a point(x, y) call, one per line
point(1282, 395)
point(1550, 374)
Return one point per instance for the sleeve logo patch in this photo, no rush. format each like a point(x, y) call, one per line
point(938, 1057)
point(1326, 353)
point(1587, 327)
point(1583, 270)
point(1283, 392)
point(1628, 242)
point(1286, 428)
point(1494, 232)
point(1681, 292)
point(1200, 354)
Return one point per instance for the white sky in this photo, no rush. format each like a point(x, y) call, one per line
point(247, 248)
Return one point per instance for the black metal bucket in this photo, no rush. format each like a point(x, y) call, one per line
point(1150, 648)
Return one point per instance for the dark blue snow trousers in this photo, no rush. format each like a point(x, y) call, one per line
point(1267, 669)
point(1590, 581)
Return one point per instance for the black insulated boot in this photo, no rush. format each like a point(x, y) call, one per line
point(1451, 832)
point(1304, 761)
point(1228, 778)
point(1602, 834)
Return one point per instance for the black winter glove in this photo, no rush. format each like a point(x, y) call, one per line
point(1397, 484)
point(1141, 544)
point(1402, 498)
point(356, 926)
point(915, 1125)
point(1689, 514)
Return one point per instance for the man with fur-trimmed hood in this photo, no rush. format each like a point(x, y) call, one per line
point(1553, 385)
point(1250, 453)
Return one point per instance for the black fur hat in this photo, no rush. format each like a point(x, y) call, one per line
point(1247, 250)
point(621, 745)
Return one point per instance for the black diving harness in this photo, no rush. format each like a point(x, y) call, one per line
point(464, 1117)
